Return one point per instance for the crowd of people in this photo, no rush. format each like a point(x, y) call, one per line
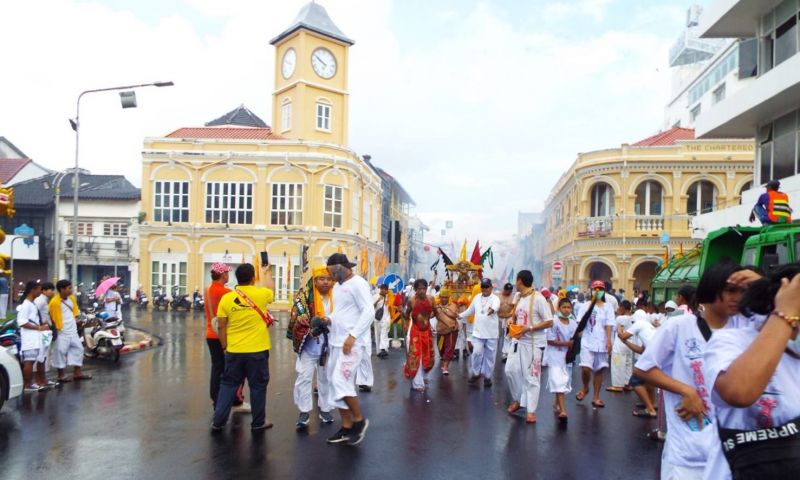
point(719, 361)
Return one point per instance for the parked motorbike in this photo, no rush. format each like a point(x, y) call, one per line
point(10, 338)
point(141, 298)
point(180, 300)
point(126, 297)
point(198, 303)
point(100, 336)
point(79, 294)
point(160, 298)
point(91, 298)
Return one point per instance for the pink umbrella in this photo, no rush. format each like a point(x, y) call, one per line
point(103, 287)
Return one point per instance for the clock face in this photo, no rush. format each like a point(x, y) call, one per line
point(324, 62)
point(289, 63)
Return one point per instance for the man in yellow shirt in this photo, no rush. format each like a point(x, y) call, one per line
point(243, 324)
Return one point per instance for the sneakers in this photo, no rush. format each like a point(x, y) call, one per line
point(33, 388)
point(358, 431)
point(343, 435)
point(263, 426)
point(243, 408)
point(364, 388)
point(473, 379)
point(302, 420)
point(326, 417)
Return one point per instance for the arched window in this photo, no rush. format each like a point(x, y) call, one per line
point(602, 201)
point(747, 186)
point(649, 199)
point(702, 198)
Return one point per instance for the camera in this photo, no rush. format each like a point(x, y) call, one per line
point(318, 327)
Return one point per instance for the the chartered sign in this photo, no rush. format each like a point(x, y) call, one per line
point(720, 147)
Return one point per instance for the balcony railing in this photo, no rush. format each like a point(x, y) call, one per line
point(596, 227)
point(649, 223)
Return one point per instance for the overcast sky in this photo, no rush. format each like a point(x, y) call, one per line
point(477, 107)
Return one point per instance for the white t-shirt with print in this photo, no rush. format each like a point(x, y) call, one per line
point(557, 356)
point(27, 313)
point(678, 349)
point(594, 335)
point(776, 406)
point(541, 313)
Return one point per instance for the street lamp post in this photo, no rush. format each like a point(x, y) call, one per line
point(76, 182)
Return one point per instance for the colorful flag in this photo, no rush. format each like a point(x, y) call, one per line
point(258, 268)
point(462, 257)
point(446, 259)
point(476, 254)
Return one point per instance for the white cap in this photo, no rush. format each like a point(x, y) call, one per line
point(671, 304)
point(639, 315)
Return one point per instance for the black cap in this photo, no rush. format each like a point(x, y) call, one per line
point(340, 259)
point(486, 283)
point(508, 287)
point(774, 184)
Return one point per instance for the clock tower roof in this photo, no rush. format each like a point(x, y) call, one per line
point(313, 17)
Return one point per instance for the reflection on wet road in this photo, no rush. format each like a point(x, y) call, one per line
point(149, 417)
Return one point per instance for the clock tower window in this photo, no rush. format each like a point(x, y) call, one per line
point(323, 117)
point(286, 115)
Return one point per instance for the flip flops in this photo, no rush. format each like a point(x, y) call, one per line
point(642, 413)
point(83, 376)
point(64, 380)
point(513, 408)
point(581, 395)
point(598, 404)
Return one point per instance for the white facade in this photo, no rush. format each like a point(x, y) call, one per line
point(108, 236)
point(768, 107)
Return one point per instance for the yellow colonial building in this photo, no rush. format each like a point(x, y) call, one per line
point(614, 213)
point(236, 187)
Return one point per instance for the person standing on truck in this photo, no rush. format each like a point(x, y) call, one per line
point(772, 206)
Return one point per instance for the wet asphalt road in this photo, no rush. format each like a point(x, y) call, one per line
point(148, 417)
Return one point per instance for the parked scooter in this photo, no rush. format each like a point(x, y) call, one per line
point(79, 295)
point(126, 297)
point(198, 303)
point(91, 298)
point(141, 298)
point(10, 338)
point(160, 298)
point(100, 336)
point(180, 300)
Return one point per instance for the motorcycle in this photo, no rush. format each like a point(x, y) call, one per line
point(10, 338)
point(91, 298)
point(179, 300)
point(79, 294)
point(160, 298)
point(141, 298)
point(100, 336)
point(198, 303)
point(126, 297)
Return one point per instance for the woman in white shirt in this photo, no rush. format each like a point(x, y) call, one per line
point(753, 374)
point(31, 328)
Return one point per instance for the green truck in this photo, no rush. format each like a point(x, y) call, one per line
point(765, 247)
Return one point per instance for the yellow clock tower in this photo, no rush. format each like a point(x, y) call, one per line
point(310, 101)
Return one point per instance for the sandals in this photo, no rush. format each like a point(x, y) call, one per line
point(64, 380)
point(642, 413)
point(598, 404)
point(83, 376)
point(33, 388)
point(530, 418)
point(513, 408)
point(581, 395)
point(614, 389)
point(562, 417)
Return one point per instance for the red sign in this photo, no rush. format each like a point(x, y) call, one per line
point(557, 266)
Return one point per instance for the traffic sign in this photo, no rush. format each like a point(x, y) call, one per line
point(394, 283)
point(558, 268)
point(27, 232)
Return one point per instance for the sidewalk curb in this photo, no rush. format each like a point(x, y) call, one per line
point(149, 341)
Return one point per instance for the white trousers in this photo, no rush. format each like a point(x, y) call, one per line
point(342, 376)
point(382, 333)
point(524, 374)
point(482, 359)
point(68, 351)
point(305, 366)
point(3, 305)
point(621, 367)
point(461, 340)
point(418, 381)
point(364, 374)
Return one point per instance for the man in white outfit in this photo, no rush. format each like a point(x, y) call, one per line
point(312, 352)
point(532, 316)
point(379, 301)
point(350, 324)
point(484, 333)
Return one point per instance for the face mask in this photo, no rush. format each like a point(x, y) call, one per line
point(600, 294)
point(561, 315)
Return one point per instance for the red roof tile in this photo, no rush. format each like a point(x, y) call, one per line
point(668, 137)
point(226, 133)
point(10, 167)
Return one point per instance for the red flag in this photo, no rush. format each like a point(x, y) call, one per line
point(476, 254)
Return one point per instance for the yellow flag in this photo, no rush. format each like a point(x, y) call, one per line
point(243, 260)
point(258, 268)
point(364, 262)
point(462, 257)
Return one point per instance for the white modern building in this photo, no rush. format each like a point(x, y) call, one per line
point(767, 107)
point(705, 72)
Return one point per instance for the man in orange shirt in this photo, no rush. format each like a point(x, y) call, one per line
point(215, 292)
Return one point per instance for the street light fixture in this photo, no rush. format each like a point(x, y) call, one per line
point(75, 124)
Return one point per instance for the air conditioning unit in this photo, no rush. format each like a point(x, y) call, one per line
point(118, 244)
point(69, 243)
point(88, 247)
